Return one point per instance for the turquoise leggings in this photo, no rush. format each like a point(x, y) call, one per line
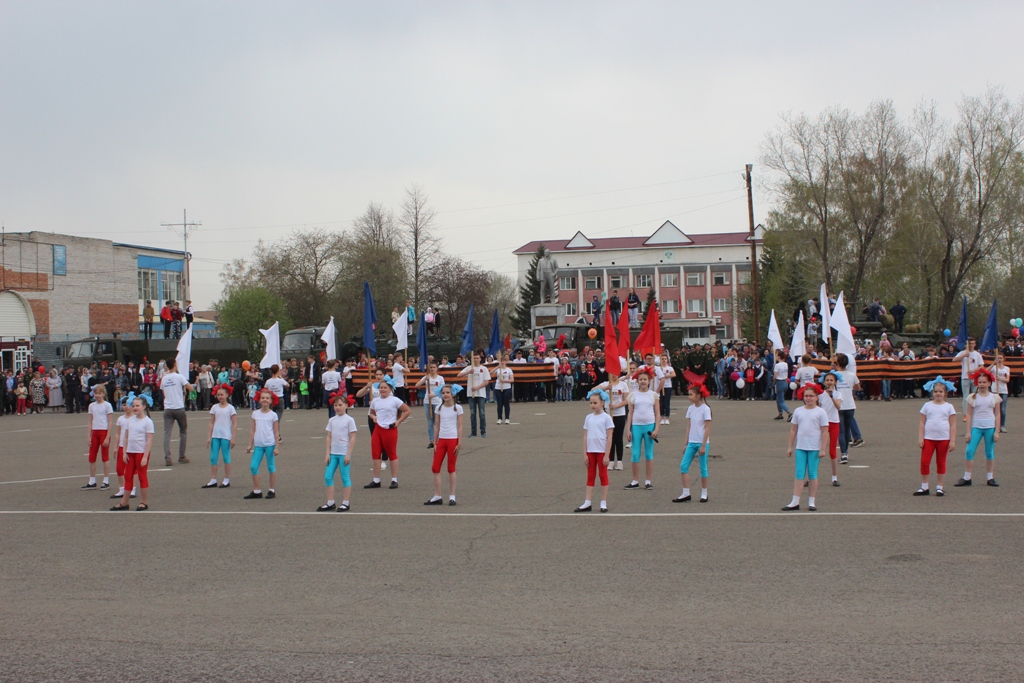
point(221, 447)
point(977, 435)
point(806, 464)
point(691, 450)
point(258, 454)
point(642, 439)
point(337, 464)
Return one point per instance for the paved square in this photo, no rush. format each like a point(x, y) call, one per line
point(510, 585)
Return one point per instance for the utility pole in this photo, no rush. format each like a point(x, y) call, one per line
point(188, 228)
point(753, 255)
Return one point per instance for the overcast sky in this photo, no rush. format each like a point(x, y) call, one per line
point(520, 120)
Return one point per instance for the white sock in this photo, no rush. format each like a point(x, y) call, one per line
point(795, 501)
point(586, 503)
point(647, 482)
point(120, 492)
point(703, 493)
point(989, 476)
point(938, 488)
point(685, 493)
point(226, 481)
point(330, 502)
point(270, 491)
point(634, 483)
point(810, 501)
point(212, 482)
point(433, 498)
point(92, 480)
point(133, 490)
point(451, 497)
point(257, 490)
point(344, 502)
point(604, 504)
point(924, 486)
point(967, 476)
point(106, 480)
point(394, 479)
point(376, 480)
point(835, 478)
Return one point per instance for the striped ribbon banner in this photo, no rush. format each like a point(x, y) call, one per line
point(917, 369)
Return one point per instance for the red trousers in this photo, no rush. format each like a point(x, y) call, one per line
point(595, 465)
point(833, 439)
point(940, 449)
point(119, 462)
point(132, 467)
point(96, 443)
point(444, 447)
point(386, 441)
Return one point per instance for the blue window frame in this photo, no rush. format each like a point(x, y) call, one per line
point(60, 259)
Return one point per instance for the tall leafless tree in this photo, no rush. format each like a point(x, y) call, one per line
point(377, 227)
point(421, 242)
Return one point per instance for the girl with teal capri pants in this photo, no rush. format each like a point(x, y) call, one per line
point(223, 426)
point(698, 443)
point(642, 428)
point(263, 444)
point(982, 423)
point(338, 458)
point(809, 434)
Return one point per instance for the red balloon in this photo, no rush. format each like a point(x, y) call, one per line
point(734, 376)
point(1015, 332)
point(853, 330)
point(42, 369)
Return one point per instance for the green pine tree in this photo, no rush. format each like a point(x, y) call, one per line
point(529, 295)
point(651, 298)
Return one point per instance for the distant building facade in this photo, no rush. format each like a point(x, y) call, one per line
point(696, 278)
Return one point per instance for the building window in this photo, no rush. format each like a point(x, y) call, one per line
point(720, 279)
point(643, 281)
point(149, 285)
point(670, 279)
point(695, 279)
point(697, 332)
point(695, 306)
point(722, 305)
point(722, 331)
point(568, 282)
point(615, 281)
point(592, 282)
point(570, 310)
point(60, 259)
point(170, 285)
point(670, 305)
point(743, 277)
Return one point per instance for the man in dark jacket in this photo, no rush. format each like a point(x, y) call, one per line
point(897, 312)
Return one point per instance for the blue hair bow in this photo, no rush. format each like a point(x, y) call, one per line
point(928, 386)
point(600, 392)
point(455, 389)
point(837, 375)
point(389, 380)
point(131, 398)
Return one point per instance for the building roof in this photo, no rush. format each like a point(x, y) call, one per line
point(159, 249)
point(659, 239)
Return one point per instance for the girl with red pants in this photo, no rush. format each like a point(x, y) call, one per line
point(101, 426)
point(831, 402)
point(122, 434)
point(387, 412)
point(138, 446)
point(597, 445)
point(936, 434)
point(447, 438)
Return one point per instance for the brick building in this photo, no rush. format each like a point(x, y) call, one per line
point(696, 278)
point(58, 287)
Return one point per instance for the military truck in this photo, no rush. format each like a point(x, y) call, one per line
point(303, 342)
point(110, 349)
point(577, 335)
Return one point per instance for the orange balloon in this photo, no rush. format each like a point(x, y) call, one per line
point(592, 333)
point(245, 365)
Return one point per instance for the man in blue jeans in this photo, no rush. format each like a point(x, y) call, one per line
point(478, 377)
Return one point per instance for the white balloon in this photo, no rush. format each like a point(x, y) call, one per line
point(792, 385)
point(740, 383)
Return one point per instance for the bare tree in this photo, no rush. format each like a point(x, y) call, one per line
point(304, 270)
point(503, 296)
point(451, 286)
point(418, 219)
point(377, 227)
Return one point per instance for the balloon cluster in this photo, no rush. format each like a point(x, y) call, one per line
point(1016, 323)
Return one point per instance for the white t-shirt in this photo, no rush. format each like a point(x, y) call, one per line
point(138, 428)
point(1002, 379)
point(479, 376)
point(449, 420)
point(697, 415)
point(340, 426)
point(264, 428)
point(398, 375)
point(805, 375)
point(845, 387)
point(346, 374)
point(633, 385)
point(643, 406)
point(970, 362)
point(100, 413)
point(222, 421)
point(386, 410)
point(173, 386)
point(808, 427)
point(433, 384)
point(781, 371)
point(276, 385)
point(826, 403)
point(503, 378)
point(936, 420)
point(597, 427)
point(331, 380)
point(550, 359)
point(122, 427)
point(615, 395)
point(984, 416)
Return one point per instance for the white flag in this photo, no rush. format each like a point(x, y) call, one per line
point(826, 316)
point(329, 339)
point(273, 339)
point(401, 328)
point(798, 347)
point(841, 324)
point(774, 336)
point(184, 356)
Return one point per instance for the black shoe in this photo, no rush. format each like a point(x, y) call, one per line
point(431, 446)
point(844, 459)
point(682, 499)
point(271, 494)
point(119, 507)
point(992, 482)
point(962, 482)
point(858, 443)
point(939, 493)
point(116, 496)
point(250, 496)
point(604, 509)
point(212, 485)
point(225, 486)
point(104, 486)
point(439, 501)
point(393, 484)
point(343, 508)
point(812, 508)
point(451, 501)
point(648, 487)
point(835, 482)
point(90, 487)
point(922, 492)
point(790, 508)
point(703, 500)
point(326, 508)
point(779, 417)
point(583, 508)
point(630, 486)
point(372, 485)
point(183, 460)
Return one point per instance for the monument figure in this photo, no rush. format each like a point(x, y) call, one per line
point(547, 270)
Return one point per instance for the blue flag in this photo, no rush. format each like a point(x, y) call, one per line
point(990, 340)
point(369, 320)
point(467, 334)
point(421, 341)
point(495, 344)
point(961, 335)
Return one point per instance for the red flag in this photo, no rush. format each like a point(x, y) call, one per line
point(611, 348)
point(508, 342)
point(622, 338)
point(649, 340)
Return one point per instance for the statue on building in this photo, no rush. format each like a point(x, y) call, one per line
point(547, 270)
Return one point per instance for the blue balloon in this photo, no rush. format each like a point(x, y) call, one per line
point(946, 332)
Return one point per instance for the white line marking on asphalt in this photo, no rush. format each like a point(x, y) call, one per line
point(540, 413)
point(858, 467)
point(48, 429)
point(533, 514)
point(75, 476)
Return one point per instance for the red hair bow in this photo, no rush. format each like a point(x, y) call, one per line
point(336, 395)
point(643, 371)
point(274, 400)
point(983, 371)
point(817, 390)
point(226, 387)
point(700, 388)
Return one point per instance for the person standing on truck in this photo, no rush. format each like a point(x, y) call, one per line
point(174, 385)
point(190, 313)
point(148, 313)
point(165, 318)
